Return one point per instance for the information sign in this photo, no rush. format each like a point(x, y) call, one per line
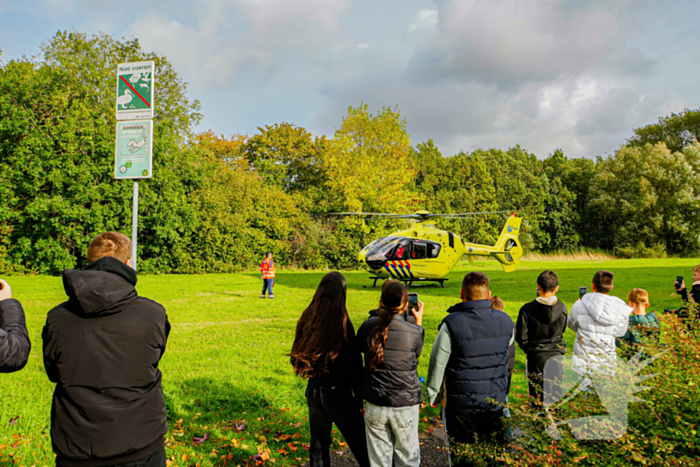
point(134, 150)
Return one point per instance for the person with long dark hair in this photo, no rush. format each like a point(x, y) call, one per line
point(325, 352)
point(392, 346)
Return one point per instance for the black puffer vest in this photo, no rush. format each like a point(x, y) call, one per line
point(478, 366)
point(395, 381)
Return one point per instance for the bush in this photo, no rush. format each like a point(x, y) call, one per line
point(640, 250)
point(662, 429)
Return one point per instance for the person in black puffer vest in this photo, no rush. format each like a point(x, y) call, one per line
point(14, 338)
point(391, 386)
point(325, 351)
point(471, 353)
point(540, 333)
point(102, 348)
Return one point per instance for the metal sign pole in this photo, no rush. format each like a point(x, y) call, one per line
point(134, 225)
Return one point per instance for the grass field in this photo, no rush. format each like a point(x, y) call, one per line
point(226, 359)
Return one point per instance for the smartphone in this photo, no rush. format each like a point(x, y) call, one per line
point(582, 291)
point(679, 281)
point(413, 300)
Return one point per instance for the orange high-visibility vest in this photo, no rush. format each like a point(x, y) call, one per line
point(267, 267)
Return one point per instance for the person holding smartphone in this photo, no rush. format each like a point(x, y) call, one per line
point(694, 291)
point(391, 387)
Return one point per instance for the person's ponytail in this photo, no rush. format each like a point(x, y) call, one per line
point(394, 300)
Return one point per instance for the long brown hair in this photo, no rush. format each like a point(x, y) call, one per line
point(394, 300)
point(322, 328)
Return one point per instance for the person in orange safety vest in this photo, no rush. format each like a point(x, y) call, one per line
point(267, 267)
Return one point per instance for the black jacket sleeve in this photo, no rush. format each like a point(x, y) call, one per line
point(356, 367)
point(521, 329)
point(14, 338)
point(49, 354)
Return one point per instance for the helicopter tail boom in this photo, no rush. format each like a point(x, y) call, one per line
point(508, 247)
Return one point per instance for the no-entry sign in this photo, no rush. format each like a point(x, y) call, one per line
point(135, 90)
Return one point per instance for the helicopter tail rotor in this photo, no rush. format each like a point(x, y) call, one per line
point(508, 246)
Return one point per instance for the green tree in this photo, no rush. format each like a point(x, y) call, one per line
point(561, 217)
point(649, 196)
point(57, 156)
point(368, 165)
point(287, 156)
point(676, 130)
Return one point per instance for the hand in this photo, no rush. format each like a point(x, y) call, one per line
point(5, 290)
point(682, 286)
point(418, 313)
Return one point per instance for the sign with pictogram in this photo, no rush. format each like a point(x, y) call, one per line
point(134, 151)
point(135, 83)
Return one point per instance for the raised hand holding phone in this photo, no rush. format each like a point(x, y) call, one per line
point(418, 313)
point(5, 290)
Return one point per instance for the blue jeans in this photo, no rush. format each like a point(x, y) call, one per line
point(267, 286)
point(392, 435)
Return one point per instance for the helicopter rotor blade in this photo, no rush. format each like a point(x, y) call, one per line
point(459, 215)
point(377, 214)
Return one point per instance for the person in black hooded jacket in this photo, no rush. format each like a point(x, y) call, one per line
point(540, 333)
point(14, 338)
point(102, 348)
point(392, 346)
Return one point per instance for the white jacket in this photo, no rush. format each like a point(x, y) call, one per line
point(597, 319)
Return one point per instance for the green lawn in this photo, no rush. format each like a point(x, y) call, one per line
point(226, 359)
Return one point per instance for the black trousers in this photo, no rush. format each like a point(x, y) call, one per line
point(157, 459)
point(535, 375)
point(472, 428)
point(335, 405)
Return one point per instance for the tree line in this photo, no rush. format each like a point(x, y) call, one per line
point(216, 203)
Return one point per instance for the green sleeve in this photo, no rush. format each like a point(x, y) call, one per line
point(438, 362)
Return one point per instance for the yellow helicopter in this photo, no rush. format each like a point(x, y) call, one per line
point(425, 253)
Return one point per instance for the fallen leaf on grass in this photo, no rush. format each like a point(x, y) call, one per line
point(240, 427)
point(292, 447)
point(13, 420)
point(198, 441)
point(185, 457)
point(285, 438)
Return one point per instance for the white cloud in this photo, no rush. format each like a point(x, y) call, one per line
point(425, 19)
point(509, 42)
point(231, 40)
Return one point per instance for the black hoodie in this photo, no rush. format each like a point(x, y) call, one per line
point(102, 349)
point(540, 328)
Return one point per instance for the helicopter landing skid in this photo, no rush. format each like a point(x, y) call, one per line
point(409, 282)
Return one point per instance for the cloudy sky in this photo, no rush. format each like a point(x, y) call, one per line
point(546, 74)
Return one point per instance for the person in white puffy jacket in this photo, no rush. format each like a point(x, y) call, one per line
point(597, 319)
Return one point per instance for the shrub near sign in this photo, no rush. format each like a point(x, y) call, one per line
point(135, 90)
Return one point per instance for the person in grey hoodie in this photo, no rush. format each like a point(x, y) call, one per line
point(597, 319)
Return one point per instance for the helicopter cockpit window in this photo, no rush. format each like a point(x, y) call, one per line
point(425, 249)
point(433, 250)
point(389, 248)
